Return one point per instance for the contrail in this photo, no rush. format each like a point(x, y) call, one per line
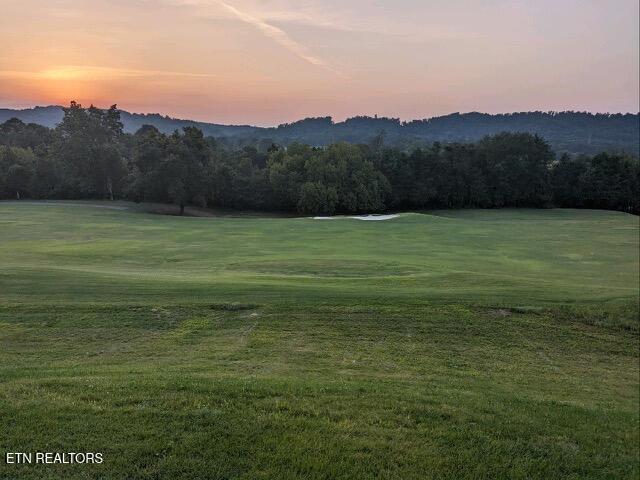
point(279, 36)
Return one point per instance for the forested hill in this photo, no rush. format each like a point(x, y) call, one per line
point(52, 115)
point(574, 132)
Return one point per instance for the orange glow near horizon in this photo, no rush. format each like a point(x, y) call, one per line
point(256, 62)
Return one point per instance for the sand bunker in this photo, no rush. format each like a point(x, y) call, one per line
point(362, 217)
point(376, 217)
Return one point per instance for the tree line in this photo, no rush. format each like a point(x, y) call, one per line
point(88, 155)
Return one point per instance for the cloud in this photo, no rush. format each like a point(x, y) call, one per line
point(277, 35)
point(255, 20)
point(306, 15)
point(78, 72)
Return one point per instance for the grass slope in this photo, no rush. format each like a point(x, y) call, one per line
point(473, 344)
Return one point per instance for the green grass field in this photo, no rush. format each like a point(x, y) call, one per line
point(459, 344)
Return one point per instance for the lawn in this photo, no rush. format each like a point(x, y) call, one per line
point(457, 344)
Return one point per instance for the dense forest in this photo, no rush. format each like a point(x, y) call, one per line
point(89, 155)
point(570, 132)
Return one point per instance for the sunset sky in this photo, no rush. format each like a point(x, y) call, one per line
point(273, 61)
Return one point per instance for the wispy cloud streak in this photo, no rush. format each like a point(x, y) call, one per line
point(278, 35)
point(78, 72)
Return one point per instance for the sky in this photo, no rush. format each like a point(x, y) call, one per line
point(265, 62)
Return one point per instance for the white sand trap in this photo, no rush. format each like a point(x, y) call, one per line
point(362, 217)
point(376, 217)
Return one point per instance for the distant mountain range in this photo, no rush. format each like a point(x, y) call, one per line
point(575, 132)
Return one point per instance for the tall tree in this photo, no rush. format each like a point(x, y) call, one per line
point(89, 143)
point(148, 152)
point(186, 167)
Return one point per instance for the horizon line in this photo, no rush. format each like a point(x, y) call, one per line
point(371, 116)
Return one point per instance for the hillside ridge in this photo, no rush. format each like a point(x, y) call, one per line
point(574, 132)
